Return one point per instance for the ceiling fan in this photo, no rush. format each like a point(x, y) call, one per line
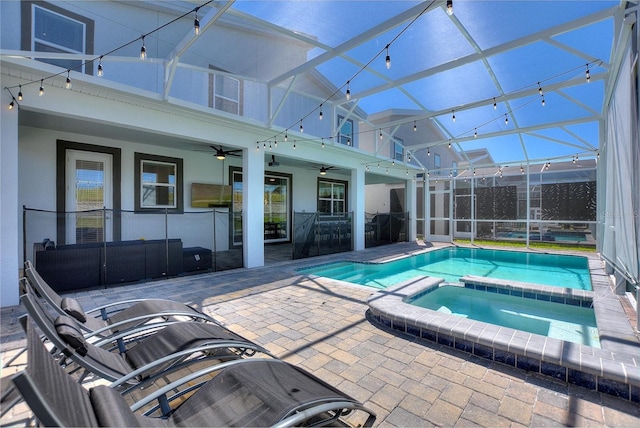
point(323, 169)
point(222, 154)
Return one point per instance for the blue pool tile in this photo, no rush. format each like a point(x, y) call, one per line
point(413, 330)
point(464, 345)
point(528, 364)
point(505, 357)
point(553, 370)
point(481, 287)
point(483, 351)
point(492, 289)
point(585, 380)
point(557, 299)
point(429, 335)
point(516, 293)
point(529, 295)
point(503, 290)
point(543, 297)
point(446, 340)
point(612, 387)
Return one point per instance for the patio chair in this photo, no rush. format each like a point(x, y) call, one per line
point(242, 393)
point(169, 349)
point(115, 316)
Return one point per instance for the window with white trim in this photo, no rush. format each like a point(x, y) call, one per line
point(158, 182)
point(225, 93)
point(332, 197)
point(345, 136)
point(58, 31)
point(398, 149)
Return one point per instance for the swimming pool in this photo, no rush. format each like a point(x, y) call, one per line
point(565, 322)
point(455, 262)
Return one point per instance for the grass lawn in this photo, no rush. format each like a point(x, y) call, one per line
point(519, 244)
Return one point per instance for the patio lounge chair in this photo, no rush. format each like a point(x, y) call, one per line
point(242, 393)
point(116, 316)
point(169, 349)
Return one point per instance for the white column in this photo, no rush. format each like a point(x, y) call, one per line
point(9, 210)
point(253, 207)
point(356, 205)
point(412, 208)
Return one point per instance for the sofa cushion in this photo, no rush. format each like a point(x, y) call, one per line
point(73, 308)
point(68, 330)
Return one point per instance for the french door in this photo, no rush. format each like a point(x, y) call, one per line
point(88, 185)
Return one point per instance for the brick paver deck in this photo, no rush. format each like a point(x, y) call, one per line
point(322, 326)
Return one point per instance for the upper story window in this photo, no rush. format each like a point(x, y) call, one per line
point(55, 30)
point(398, 149)
point(158, 182)
point(345, 136)
point(436, 163)
point(332, 197)
point(225, 93)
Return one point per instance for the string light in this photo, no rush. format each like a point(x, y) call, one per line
point(286, 137)
point(475, 133)
point(495, 106)
point(68, 82)
point(348, 141)
point(301, 127)
point(100, 69)
point(506, 119)
point(428, 152)
point(196, 24)
point(381, 134)
point(11, 104)
point(348, 90)
point(521, 169)
point(320, 115)
point(143, 50)
point(587, 75)
point(540, 89)
point(387, 60)
point(453, 115)
point(415, 127)
point(257, 146)
point(449, 145)
point(449, 7)
point(323, 143)
point(19, 92)
point(275, 143)
point(294, 144)
point(41, 90)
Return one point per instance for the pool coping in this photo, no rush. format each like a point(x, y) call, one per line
point(613, 369)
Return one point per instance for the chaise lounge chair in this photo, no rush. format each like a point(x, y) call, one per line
point(169, 349)
point(126, 315)
point(242, 393)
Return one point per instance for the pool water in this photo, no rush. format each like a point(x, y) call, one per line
point(569, 323)
point(455, 262)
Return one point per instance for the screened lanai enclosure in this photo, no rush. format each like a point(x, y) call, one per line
point(439, 119)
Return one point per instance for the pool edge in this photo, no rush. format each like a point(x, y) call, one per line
point(614, 369)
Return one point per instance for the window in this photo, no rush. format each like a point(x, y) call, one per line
point(332, 197)
point(225, 93)
point(436, 164)
point(158, 183)
point(398, 149)
point(53, 29)
point(345, 136)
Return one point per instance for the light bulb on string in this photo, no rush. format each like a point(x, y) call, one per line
point(415, 127)
point(258, 146)
point(41, 90)
point(428, 152)
point(381, 134)
point(348, 91)
point(506, 119)
point(286, 137)
point(19, 92)
point(11, 104)
point(67, 84)
point(387, 60)
point(495, 106)
point(449, 145)
point(453, 115)
point(320, 115)
point(540, 89)
point(475, 133)
point(301, 127)
point(100, 69)
point(143, 50)
point(294, 144)
point(196, 25)
point(542, 101)
point(450, 7)
point(587, 75)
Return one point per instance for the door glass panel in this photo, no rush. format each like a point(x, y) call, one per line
point(276, 209)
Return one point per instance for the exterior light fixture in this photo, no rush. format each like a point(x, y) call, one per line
point(100, 69)
point(41, 90)
point(449, 7)
point(68, 82)
point(143, 50)
point(19, 92)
